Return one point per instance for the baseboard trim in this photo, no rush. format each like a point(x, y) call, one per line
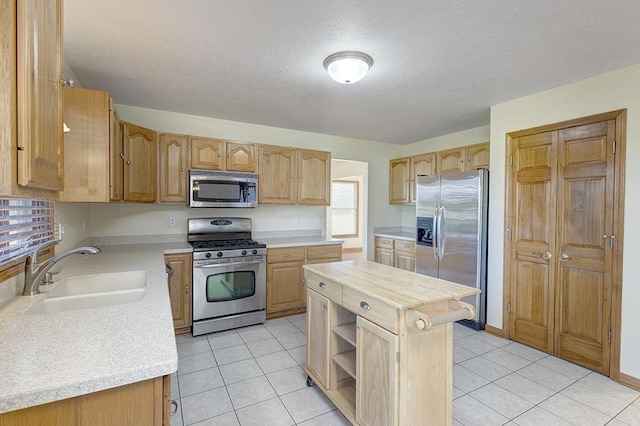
point(493, 330)
point(632, 382)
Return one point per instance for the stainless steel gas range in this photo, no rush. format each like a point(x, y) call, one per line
point(229, 274)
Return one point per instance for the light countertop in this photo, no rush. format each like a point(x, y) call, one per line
point(49, 357)
point(314, 240)
point(398, 235)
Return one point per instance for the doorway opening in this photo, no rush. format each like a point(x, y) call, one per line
point(347, 214)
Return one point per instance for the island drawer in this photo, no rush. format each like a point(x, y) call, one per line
point(380, 313)
point(285, 254)
point(324, 252)
point(321, 285)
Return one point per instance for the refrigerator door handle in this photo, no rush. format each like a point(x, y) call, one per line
point(434, 237)
point(441, 234)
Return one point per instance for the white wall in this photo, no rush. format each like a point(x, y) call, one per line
point(76, 219)
point(615, 90)
point(135, 219)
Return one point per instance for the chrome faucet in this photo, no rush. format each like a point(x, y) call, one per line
point(35, 272)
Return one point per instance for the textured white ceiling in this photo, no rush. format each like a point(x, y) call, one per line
point(438, 65)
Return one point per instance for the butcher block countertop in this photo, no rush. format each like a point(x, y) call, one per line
point(395, 287)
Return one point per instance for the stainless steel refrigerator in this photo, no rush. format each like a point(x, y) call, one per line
point(451, 234)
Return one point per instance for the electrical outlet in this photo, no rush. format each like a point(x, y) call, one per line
point(297, 220)
point(317, 220)
point(172, 221)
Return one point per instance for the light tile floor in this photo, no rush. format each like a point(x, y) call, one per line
point(253, 376)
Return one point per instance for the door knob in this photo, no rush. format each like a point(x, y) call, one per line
point(546, 255)
point(563, 257)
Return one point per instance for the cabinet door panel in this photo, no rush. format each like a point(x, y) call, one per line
point(141, 150)
point(318, 336)
point(451, 160)
point(285, 286)
point(376, 374)
point(477, 156)
point(277, 171)
point(86, 147)
point(172, 173)
point(314, 175)
point(179, 281)
point(384, 256)
point(241, 157)
point(39, 74)
point(399, 181)
point(207, 153)
point(424, 164)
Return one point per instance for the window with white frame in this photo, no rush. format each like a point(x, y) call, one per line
point(25, 223)
point(344, 209)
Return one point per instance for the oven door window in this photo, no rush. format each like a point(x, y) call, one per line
point(230, 286)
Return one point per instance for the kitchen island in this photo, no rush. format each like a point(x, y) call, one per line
point(62, 356)
point(379, 341)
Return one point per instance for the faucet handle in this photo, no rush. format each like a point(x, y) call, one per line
point(48, 279)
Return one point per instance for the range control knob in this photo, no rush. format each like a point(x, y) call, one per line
point(254, 251)
point(219, 254)
point(207, 255)
point(243, 252)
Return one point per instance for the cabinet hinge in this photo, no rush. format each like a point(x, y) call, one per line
point(609, 337)
point(511, 160)
point(397, 356)
point(611, 241)
point(509, 307)
point(509, 233)
point(614, 147)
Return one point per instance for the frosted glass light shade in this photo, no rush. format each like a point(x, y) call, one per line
point(348, 67)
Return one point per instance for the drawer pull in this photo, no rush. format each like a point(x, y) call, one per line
point(365, 306)
point(322, 285)
point(324, 252)
point(286, 255)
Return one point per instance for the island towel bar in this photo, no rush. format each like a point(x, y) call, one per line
point(456, 311)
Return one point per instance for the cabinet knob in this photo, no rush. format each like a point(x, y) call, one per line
point(220, 155)
point(365, 306)
point(322, 285)
point(229, 156)
point(300, 176)
point(184, 170)
point(186, 288)
point(120, 154)
point(128, 161)
point(563, 257)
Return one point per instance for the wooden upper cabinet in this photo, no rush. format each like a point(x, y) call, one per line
point(116, 156)
point(241, 157)
point(86, 145)
point(399, 181)
point(277, 172)
point(424, 164)
point(173, 168)
point(314, 176)
point(216, 154)
point(140, 153)
point(207, 153)
point(451, 160)
point(39, 97)
point(477, 156)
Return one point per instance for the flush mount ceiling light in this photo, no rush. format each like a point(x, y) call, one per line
point(348, 67)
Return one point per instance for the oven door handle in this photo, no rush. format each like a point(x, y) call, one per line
point(217, 265)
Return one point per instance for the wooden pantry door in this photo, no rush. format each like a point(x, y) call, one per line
point(564, 246)
point(585, 224)
point(533, 195)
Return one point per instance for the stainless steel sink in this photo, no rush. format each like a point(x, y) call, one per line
point(93, 291)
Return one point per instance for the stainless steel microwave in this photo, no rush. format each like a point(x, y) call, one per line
point(222, 189)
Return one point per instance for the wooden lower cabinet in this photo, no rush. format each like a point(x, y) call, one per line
point(141, 403)
point(398, 253)
point(286, 292)
point(179, 270)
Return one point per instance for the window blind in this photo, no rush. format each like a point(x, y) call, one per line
point(25, 223)
point(344, 209)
